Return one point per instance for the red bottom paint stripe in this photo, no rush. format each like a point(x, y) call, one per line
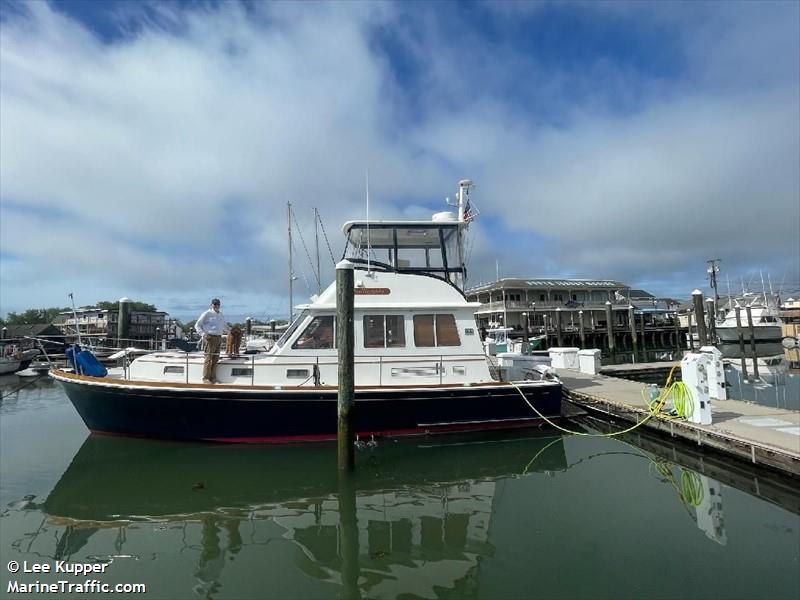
point(284, 439)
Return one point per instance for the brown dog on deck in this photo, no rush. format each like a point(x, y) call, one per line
point(234, 341)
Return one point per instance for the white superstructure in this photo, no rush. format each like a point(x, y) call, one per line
point(413, 324)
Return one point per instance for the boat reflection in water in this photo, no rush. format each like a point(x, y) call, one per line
point(393, 527)
point(428, 519)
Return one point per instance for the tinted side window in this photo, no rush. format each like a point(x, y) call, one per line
point(423, 331)
point(395, 331)
point(446, 331)
point(373, 331)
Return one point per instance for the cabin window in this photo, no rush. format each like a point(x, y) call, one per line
point(239, 371)
point(317, 336)
point(297, 373)
point(291, 329)
point(769, 319)
point(384, 331)
point(173, 370)
point(435, 330)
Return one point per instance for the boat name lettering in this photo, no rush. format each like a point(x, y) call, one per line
point(371, 291)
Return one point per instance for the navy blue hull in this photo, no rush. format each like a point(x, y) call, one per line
point(246, 415)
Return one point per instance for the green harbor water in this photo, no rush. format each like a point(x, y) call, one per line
point(522, 515)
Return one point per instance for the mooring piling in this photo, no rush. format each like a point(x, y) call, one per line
point(751, 327)
point(610, 328)
point(632, 327)
point(581, 330)
point(559, 337)
point(344, 343)
point(740, 333)
point(699, 314)
point(123, 321)
point(712, 319)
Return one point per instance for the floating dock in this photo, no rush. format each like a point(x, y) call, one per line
point(758, 434)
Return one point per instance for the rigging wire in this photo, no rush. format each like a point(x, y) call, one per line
point(327, 243)
point(308, 254)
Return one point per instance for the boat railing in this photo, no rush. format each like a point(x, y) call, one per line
point(437, 364)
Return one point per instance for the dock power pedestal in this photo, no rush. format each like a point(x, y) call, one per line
point(716, 374)
point(695, 367)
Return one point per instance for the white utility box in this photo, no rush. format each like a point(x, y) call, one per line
point(521, 367)
point(716, 374)
point(694, 372)
point(589, 361)
point(564, 358)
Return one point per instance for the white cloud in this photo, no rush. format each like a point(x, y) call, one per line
point(173, 151)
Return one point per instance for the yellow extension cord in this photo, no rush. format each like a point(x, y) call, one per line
point(681, 400)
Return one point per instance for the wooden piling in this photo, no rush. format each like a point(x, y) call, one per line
point(558, 328)
point(740, 333)
point(610, 328)
point(581, 330)
point(248, 326)
point(632, 326)
point(123, 321)
point(712, 320)
point(751, 327)
point(699, 313)
point(644, 341)
point(345, 345)
point(677, 324)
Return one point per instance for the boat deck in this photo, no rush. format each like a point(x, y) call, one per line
point(752, 432)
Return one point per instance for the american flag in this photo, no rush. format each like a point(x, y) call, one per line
point(468, 214)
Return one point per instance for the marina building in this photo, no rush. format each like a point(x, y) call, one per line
point(513, 302)
point(100, 322)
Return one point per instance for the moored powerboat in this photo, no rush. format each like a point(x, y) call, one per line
point(419, 361)
point(766, 320)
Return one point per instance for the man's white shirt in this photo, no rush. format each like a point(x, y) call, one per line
point(211, 323)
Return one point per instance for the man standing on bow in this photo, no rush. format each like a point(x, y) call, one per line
point(211, 325)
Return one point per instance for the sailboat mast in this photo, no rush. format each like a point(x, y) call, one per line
point(291, 271)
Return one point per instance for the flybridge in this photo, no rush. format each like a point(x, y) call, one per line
point(434, 248)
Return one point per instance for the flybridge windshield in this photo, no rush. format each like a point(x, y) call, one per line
point(433, 249)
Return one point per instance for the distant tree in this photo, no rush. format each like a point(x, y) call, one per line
point(114, 305)
point(33, 316)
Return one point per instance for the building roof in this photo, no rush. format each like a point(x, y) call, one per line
point(553, 284)
point(19, 331)
point(639, 294)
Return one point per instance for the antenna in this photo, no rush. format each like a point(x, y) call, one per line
point(730, 301)
point(713, 269)
point(316, 240)
point(369, 270)
point(291, 270)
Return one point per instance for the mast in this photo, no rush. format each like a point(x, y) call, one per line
point(75, 316)
point(369, 270)
point(316, 241)
point(291, 271)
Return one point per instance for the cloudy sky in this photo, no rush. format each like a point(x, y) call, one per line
point(149, 149)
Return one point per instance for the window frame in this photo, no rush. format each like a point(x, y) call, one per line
point(384, 328)
point(306, 328)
